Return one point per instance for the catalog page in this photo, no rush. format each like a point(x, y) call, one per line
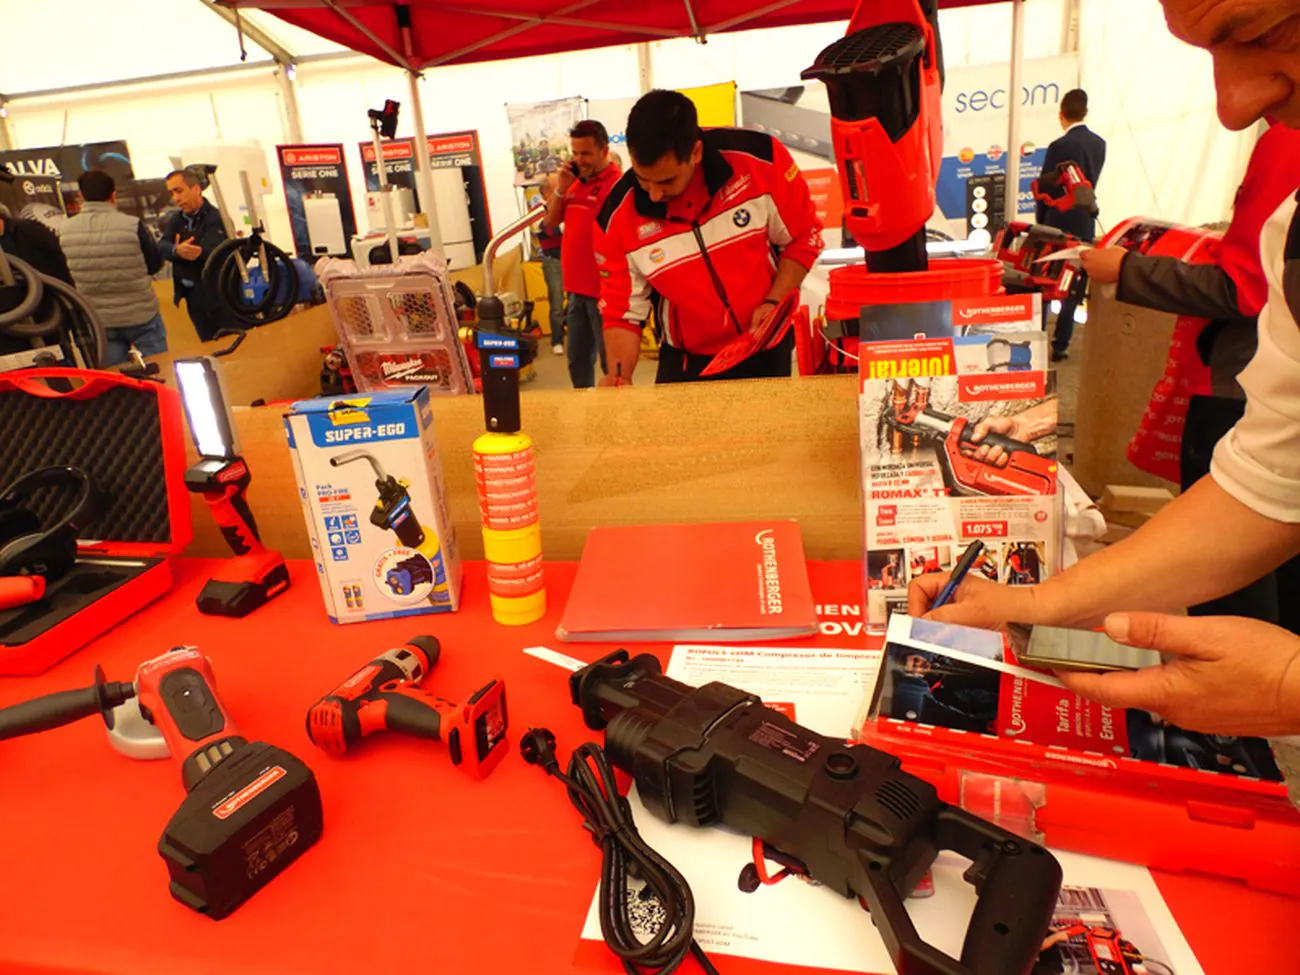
point(958, 442)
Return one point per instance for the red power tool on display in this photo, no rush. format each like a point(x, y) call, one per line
point(1111, 953)
point(252, 808)
point(884, 80)
point(1025, 250)
point(386, 695)
point(1066, 188)
point(1026, 471)
point(256, 574)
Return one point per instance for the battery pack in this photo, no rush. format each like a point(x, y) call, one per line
point(245, 821)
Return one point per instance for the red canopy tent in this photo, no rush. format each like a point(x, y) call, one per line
point(419, 34)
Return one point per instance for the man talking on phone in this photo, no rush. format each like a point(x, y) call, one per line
point(188, 237)
point(1222, 674)
point(582, 185)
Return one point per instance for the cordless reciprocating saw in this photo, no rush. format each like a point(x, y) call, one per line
point(387, 694)
point(1026, 471)
point(846, 815)
point(251, 808)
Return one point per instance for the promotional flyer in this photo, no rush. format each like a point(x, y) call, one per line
point(969, 680)
point(958, 439)
point(320, 203)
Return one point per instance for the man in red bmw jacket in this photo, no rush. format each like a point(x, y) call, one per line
point(712, 228)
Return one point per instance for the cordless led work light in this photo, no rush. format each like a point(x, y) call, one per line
point(221, 476)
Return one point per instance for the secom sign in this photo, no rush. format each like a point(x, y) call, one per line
point(1031, 96)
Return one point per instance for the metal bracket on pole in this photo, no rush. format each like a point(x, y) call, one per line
point(695, 24)
point(1014, 98)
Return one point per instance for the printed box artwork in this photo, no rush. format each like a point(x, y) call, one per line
point(372, 491)
point(968, 680)
point(958, 444)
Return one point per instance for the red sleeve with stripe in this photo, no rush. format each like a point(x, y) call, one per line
point(624, 293)
point(802, 237)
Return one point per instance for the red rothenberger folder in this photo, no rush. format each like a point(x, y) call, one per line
point(728, 581)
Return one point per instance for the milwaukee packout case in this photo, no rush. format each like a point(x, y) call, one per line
point(1013, 745)
point(129, 436)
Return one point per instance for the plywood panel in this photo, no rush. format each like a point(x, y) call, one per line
point(643, 454)
point(1124, 352)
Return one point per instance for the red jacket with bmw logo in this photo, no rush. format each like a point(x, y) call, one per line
point(707, 258)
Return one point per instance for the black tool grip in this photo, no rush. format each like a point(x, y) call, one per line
point(411, 713)
point(1010, 445)
point(64, 707)
point(1018, 883)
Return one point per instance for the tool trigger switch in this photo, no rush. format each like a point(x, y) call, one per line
point(453, 746)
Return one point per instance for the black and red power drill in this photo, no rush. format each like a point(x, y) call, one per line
point(1066, 188)
point(221, 477)
point(387, 694)
point(252, 808)
point(1026, 471)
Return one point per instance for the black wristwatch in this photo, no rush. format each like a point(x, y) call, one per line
point(769, 301)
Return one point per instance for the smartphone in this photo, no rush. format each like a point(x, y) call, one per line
point(1059, 648)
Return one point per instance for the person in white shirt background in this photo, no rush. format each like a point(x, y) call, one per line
point(1222, 675)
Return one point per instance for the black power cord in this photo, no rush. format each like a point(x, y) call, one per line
point(608, 817)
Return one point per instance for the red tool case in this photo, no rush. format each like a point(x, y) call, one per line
point(129, 435)
point(1120, 808)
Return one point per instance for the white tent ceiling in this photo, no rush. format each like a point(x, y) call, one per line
point(141, 38)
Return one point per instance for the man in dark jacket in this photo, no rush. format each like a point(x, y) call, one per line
point(189, 236)
point(1084, 147)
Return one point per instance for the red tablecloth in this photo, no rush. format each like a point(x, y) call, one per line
point(420, 868)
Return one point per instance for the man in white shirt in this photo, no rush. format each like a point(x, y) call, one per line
point(1223, 675)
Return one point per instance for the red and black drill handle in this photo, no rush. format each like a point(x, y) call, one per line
point(1008, 444)
point(384, 695)
point(226, 492)
point(177, 696)
point(938, 426)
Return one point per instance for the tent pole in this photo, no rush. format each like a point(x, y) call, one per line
point(423, 169)
point(1014, 98)
point(644, 67)
point(284, 75)
point(385, 200)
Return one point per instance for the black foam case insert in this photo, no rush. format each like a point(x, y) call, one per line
point(116, 437)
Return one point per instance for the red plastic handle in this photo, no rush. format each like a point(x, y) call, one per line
point(94, 382)
point(178, 693)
